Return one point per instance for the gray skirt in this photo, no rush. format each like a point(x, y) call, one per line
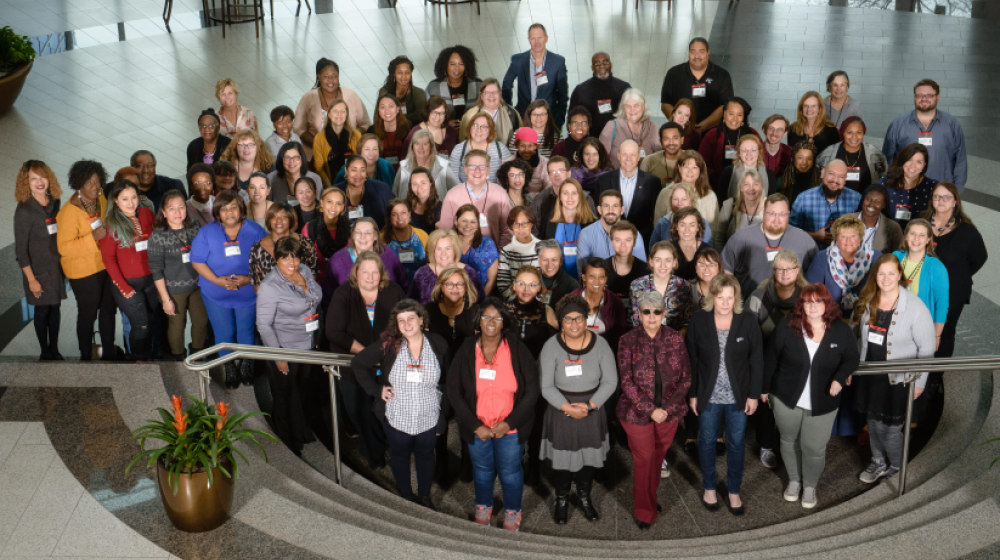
point(572, 444)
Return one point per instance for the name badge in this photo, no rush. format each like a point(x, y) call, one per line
point(853, 173)
point(490, 374)
point(925, 138)
point(876, 335)
point(141, 242)
point(730, 152)
point(603, 106)
point(371, 313)
point(186, 254)
point(698, 90)
point(356, 212)
point(393, 160)
point(96, 223)
point(545, 297)
point(458, 99)
point(902, 212)
point(569, 249)
point(51, 225)
point(291, 200)
point(541, 79)
point(482, 221)
point(403, 108)
point(642, 154)
point(574, 368)
point(232, 248)
point(771, 253)
point(415, 373)
point(407, 256)
point(322, 121)
point(312, 322)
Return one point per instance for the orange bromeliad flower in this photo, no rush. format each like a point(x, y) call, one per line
point(223, 410)
point(180, 419)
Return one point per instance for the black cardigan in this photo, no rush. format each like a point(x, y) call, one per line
point(376, 356)
point(787, 365)
point(744, 357)
point(963, 253)
point(462, 389)
point(347, 319)
point(196, 150)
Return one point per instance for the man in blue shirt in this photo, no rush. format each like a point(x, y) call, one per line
point(938, 131)
point(540, 74)
point(817, 208)
point(595, 239)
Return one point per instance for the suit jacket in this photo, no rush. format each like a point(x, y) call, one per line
point(744, 357)
point(647, 188)
point(555, 92)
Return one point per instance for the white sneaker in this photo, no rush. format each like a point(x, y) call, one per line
point(792, 491)
point(809, 499)
point(664, 469)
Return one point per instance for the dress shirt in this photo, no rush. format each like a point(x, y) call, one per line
point(813, 212)
point(595, 242)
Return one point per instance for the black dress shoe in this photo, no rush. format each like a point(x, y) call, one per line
point(659, 508)
point(710, 506)
point(589, 511)
point(427, 503)
point(246, 372)
point(562, 510)
point(720, 448)
point(691, 448)
point(232, 378)
point(737, 511)
point(643, 526)
point(57, 356)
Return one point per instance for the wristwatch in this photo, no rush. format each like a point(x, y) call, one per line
point(590, 406)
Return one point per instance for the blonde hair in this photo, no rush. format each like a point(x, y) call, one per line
point(583, 214)
point(367, 256)
point(787, 256)
point(715, 287)
point(436, 236)
point(848, 221)
point(446, 274)
point(262, 162)
point(688, 188)
point(222, 84)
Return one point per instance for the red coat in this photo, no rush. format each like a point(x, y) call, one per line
point(126, 262)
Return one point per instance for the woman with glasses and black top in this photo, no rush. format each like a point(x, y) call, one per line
point(578, 375)
point(405, 370)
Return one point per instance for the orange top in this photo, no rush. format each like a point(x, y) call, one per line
point(495, 397)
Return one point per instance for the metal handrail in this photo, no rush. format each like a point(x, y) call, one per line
point(332, 363)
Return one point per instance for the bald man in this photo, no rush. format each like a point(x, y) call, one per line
point(816, 209)
point(601, 94)
point(638, 188)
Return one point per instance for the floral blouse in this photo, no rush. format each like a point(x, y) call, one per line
point(261, 262)
point(678, 299)
point(244, 119)
point(638, 358)
point(482, 258)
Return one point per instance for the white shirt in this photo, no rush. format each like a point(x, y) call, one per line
point(627, 185)
point(805, 399)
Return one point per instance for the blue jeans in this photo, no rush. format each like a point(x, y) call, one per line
point(498, 457)
point(231, 324)
point(736, 426)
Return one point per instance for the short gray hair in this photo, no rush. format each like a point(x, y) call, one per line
point(629, 95)
point(651, 299)
point(548, 244)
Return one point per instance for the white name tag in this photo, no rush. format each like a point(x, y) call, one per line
point(642, 152)
point(96, 223)
point(355, 213)
point(482, 221)
point(569, 250)
point(403, 109)
point(393, 160)
point(490, 374)
point(853, 174)
point(458, 100)
point(185, 258)
point(232, 250)
point(312, 325)
point(876, 338)
point(541, 79)
point(574, 371)
point(730, 152)
point(771, 255)
point(406, 256)
point(53, 228)
point(604, 106)
point(926, 140)
point(371, 315)
point(141, 245)
point(414, 375)
point(902, 213)
point(698, 90)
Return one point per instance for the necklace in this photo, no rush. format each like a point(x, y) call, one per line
point(916, 271)
point(940, 230)
point(90, 207)
point(857, 160)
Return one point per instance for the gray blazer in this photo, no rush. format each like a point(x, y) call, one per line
point(877, 164)
point(282, 309)
point(911, 334)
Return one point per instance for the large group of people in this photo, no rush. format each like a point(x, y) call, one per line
point(547, 293)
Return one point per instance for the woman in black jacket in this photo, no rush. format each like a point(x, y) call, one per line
point(810, 357)
point(724, 388)
point(358, 311)
point(493, 386)
point(405, 371)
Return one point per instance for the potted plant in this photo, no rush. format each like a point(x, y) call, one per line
point(17, 55)
point(196, 467)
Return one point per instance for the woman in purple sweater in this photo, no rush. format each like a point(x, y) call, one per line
point(444, 249)
point(364, 237)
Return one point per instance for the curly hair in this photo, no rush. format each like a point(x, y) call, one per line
point(505, 168)
point(392, 338)
point(788, 177)
point(222, 84)
point(262, 162)
point(81, 172)
point(390, 81)
point(468, 59)
point(797, 321)
point(22, 188)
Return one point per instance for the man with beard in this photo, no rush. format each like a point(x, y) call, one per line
point(817, 208)
point(526, 144)
point(595, 239)
point(663, 163)
point(707, 85)
point(749, 255)
point(600, 94)
point(579, 128)
point(545, 201)
point(938, 131)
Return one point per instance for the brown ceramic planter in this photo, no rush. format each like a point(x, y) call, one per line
point(10, 86)
point(197, 506)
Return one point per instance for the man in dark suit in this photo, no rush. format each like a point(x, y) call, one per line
point(639, 189)
point(151, 185)
point(540, 74)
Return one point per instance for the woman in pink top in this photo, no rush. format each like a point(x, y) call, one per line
point(492, 387)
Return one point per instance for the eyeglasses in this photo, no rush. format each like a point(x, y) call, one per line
point(487, 319)
point(207, 126)
point(454, 285)
point(777, 214)
point(531, 285)
point(924, 95)
point(786, 270)
point(246, 146)
point(477, 167)
point(574, 320)
point(813, 303)
point(439, 114)
point(292, 158)
point(519, 225)
point(578, 124)
point(707, 265)
point(480, 126)
point(203, 184)
point(656, 312)
point(539, 115)
point(515, 175)
point(604, 62)
point(943, 197)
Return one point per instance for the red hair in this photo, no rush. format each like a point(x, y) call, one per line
point(797, 321)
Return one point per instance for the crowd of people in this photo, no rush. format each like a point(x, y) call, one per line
point(557, 293)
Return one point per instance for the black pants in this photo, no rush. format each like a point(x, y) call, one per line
point(421, 446)
point(141, 308)
point(288, 413)
point(47, 319)
point(763, 419)
point(358, 405)
point(94, 294)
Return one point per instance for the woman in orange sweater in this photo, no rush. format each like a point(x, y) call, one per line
point(80, 228)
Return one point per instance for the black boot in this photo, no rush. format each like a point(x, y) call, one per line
point(563, 480)
point(246, 371)
point(232, 379)
point(584, 482)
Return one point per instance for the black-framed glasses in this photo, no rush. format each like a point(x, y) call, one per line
point(656, 312)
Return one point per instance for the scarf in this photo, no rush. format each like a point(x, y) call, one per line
point(571, 148)
point(737, 178)
point(338, 147)
point(849, 277)
point(505, 128)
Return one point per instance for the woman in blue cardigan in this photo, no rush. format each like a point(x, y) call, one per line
point(843, 267)
point(925, 274)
